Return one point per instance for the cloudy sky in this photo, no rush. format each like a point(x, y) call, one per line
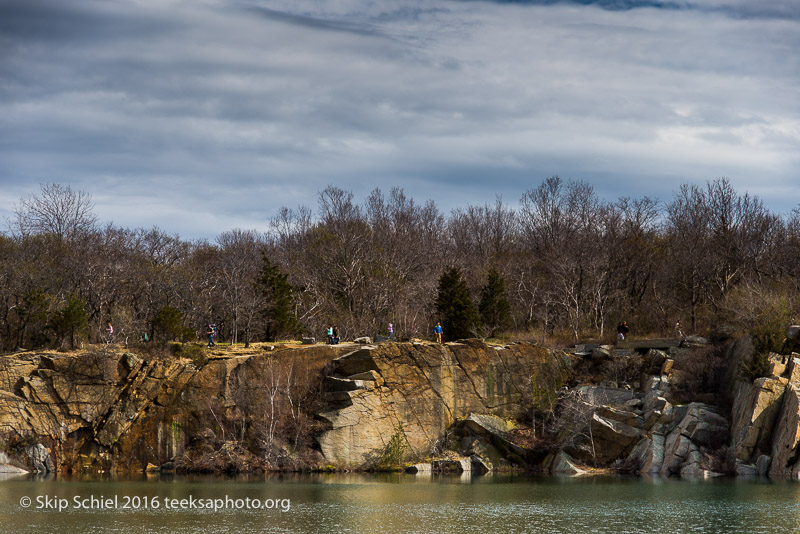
point(200, 116)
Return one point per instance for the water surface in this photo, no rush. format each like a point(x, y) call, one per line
point(399, 503)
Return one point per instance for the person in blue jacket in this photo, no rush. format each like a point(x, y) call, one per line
point(438, 331)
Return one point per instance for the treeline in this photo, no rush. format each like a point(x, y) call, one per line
point(562, 263)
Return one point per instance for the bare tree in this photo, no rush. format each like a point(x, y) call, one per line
point(687, 228)
point(58, 210)
point(482, 236)
point(741, 229)
point(561, 229)
point(573, 425)
point(572, 263)
point(239, 263)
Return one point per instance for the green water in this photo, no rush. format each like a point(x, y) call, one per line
point(399, 503)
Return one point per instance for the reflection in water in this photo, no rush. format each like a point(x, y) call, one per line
point(396, 503)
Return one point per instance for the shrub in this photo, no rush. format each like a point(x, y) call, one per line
point(392, 456)
point(193, 351)
point(767, 337)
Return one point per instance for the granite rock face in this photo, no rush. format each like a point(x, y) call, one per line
point(755, 412)
point(421, 390)
point(95, 411)
point(765, 430)
point(786, 437)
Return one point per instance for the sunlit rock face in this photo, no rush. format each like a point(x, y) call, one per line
point(419, 390)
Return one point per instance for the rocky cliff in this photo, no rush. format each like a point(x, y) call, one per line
point(765, 430)
point(419, 391)
point(119, 411)
point(647, 434)
point(459, 406)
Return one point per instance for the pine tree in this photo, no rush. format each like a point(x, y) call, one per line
point(168, 325)
point(33, 314)
point(280, 319)
point(494, 309)
point(454, 306)
point(70, 320)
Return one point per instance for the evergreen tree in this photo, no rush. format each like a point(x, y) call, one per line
point(168, 325)
point(279, 315)
point(33, 313)
point(70, 320)
point(454, 306)
point(494, 308)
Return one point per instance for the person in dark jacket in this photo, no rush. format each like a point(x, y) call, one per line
point(622, 331)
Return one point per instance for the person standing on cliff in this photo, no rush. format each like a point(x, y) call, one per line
point(438, 331)
point(335, 336)
point(109, 332)
point(622, 331)
point(210, 333)
point(679, 331)
point(391, 331)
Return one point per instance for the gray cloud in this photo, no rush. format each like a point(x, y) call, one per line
point(203, 116)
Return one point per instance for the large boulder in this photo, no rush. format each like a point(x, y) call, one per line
point(793, 366)
point(564, 464)
point(704, 425)
point(7, 468)
point(496, 432)
point(424, 468)
point(786, 436)
point(488, 426)
point(608, 396)
point(623, 416)
point(483, 452)
point(654, 360)
point(693, 467)
point(602, 353)
point(357, 362)
point(660, 384)
point(657, 410)
point(694, 426)
point(612, 439)
point(776, 365)
point(677, 449)
point(647, 456)
point(39, 458)
point(755, 412)
point(744, 469)
point(455, 465)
